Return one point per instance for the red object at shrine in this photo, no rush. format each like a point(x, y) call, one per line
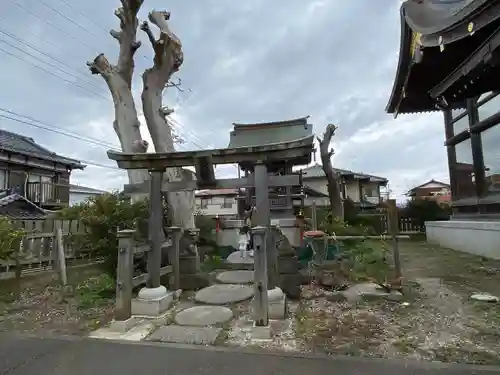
point(217, 224)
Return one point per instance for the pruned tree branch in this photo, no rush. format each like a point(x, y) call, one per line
point(334, 183)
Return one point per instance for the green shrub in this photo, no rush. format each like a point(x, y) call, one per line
point(102, 216)
point(10, 240)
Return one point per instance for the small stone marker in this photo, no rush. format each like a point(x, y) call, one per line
point(203, 316)
point(486, 297)
point(222, 294)
point(235, 277)
point(186, 335)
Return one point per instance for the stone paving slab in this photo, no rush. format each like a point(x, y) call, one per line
point(186, 335)
point(236, 258)
point(222, 294)
point(235, 277)
point(203, 316)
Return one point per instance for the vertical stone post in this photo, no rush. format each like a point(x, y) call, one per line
point(155, 228)
point(393, 226)
point(262, 216)
point(175, 234)
point(260, 310)
point(124, 275)
point(272, 258)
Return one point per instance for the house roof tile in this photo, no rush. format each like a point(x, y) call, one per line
point(316, 171)
point(20, 144)
point(16, 207)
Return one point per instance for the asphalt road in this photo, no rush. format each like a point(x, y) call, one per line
point(22, 355)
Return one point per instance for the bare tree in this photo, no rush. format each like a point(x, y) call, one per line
point(332, 177)
point(168, 58)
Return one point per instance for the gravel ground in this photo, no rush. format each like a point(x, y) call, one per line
point(45, 307)
point(435, 321)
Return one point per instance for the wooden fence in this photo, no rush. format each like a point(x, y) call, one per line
point(406, 225)
point(39, 248)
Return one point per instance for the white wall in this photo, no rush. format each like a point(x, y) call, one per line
point(474, 237)
point(215, 206)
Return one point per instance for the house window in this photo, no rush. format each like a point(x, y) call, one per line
point(465, 182)
point(3, 179)
point(370, 191)
point(205, 202)
point(228, 202)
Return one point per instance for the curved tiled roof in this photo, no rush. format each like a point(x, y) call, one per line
point(20, 144)
point(434, 22)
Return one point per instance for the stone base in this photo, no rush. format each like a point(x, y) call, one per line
point(261, 332)
point(278, 308)
point(290, 284)
point(152, 307)
point(123, 326)
point(189, 264)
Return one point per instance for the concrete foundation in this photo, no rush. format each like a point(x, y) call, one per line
point(151, 302)
point(474, 237)
point(261, 332)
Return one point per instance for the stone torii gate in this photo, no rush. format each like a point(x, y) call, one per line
point(204, 161)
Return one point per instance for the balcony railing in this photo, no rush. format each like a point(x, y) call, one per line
point(46, 193)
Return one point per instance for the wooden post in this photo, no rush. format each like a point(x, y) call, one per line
point(175, 234)
point(393, 225)
point(124, 275)
point(261, 217)
point(314, 216)
point(260, 311)
point(155, 229)
point(61, 257)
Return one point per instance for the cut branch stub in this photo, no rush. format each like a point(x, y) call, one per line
point(100, 65)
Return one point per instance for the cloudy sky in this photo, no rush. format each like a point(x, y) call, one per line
point(244, 61)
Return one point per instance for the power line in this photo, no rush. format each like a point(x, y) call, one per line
point(50, 24)
point(67, 18)
point(55, 129)
point(51, 73)
point(86, 162)
point(45, 54)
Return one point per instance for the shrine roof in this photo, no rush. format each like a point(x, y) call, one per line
point(266, 133)
point(440, 51)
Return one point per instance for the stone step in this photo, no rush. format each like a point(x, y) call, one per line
point(224, 294)
point(235, 277)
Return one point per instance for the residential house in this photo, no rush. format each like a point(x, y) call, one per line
point(217, 202)
point(79, 194)
point(224, 202)
point(434, 190)
point(34, 172)
point(363, 189)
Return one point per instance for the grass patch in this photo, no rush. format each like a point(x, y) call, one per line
point(211, 263)
point(96, 291)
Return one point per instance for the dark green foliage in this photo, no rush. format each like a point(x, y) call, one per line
point(422, 210)
point(102, 216)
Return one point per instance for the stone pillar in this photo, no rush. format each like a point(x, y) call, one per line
point(155, 229)
point(154, 299)
point(262, 216)
point(260, 307)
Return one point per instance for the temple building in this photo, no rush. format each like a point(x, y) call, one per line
point(449, 61)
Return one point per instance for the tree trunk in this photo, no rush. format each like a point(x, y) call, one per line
point(182, 203)
point(334, 193)
point(167, 60)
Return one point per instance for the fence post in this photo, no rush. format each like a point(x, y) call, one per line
point(261, 314)
point(61, 256)
point(394, 231)
point(175, 234)
point(124, 274)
